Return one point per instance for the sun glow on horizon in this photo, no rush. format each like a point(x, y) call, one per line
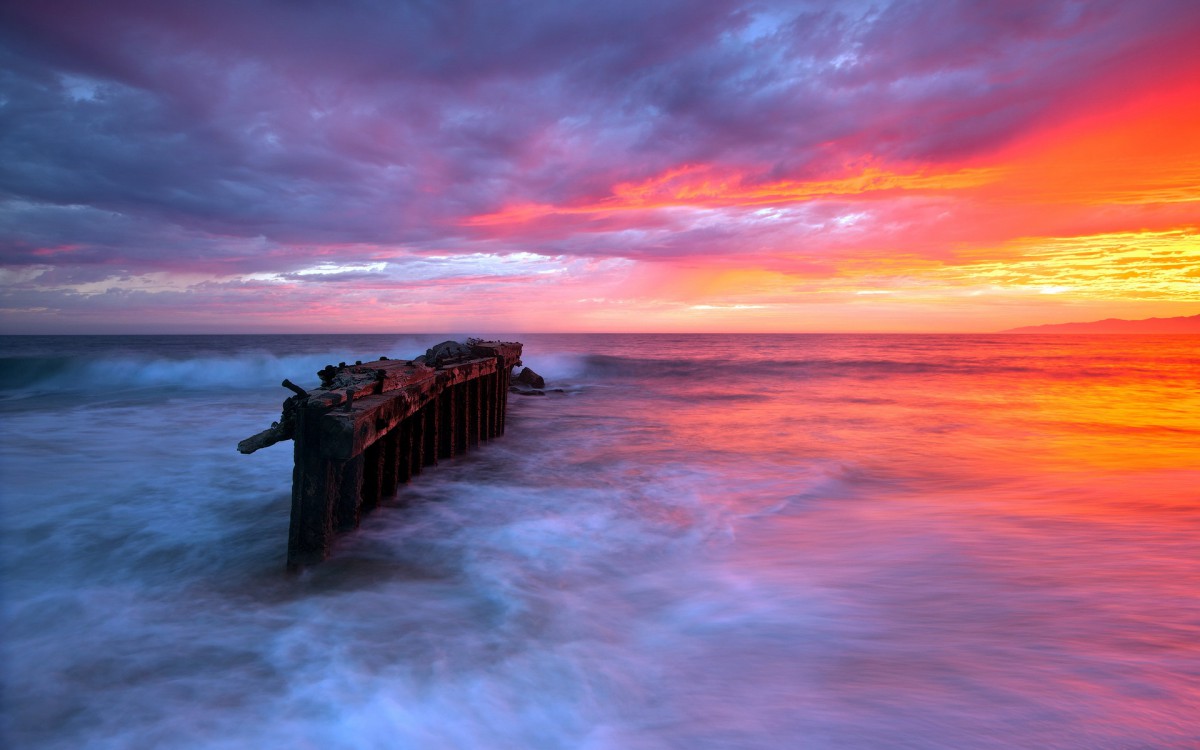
point(1095, 212)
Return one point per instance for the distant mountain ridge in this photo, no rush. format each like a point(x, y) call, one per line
point(1188, 324)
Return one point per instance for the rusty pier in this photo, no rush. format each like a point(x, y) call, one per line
point(372, 426)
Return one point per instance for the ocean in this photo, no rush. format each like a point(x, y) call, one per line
point(702, 541)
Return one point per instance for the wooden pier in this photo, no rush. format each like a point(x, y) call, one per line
point(372, 426)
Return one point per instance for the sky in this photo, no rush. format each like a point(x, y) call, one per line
point(621, 166)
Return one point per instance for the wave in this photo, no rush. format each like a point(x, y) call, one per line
point(40, 375)
point(122, 364)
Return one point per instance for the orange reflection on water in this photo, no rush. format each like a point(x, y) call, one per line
point(1044, 424)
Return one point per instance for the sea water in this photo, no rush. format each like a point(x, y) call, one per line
point(700, 542)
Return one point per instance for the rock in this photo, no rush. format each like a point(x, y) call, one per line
point(530, 378)
point(446, 351)
point(526, 391)
point(327, 374)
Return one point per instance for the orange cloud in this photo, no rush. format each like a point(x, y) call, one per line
point(1141, 153)
point(1158, 266)
point(1145, 152)
point(1093, 216)
point(703, 186)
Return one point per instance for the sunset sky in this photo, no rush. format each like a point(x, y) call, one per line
point(626, 165)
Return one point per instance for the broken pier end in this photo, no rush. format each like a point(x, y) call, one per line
point(372, 426)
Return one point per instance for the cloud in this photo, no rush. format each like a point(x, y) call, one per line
point(228, 140)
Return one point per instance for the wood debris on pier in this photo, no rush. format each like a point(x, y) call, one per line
point(372, 426)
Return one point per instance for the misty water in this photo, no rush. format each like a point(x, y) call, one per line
point(702, 542)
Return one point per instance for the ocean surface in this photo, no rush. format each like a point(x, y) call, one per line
point(703, 542)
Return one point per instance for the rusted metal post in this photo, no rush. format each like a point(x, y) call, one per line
point(388, 466)
point(445, 425)
point(505, 376)
point(485, 408)
point(431, 442)
point(403, 451)
point(499, 396)
point(472, 387)
point(313, 481)
point(372, 488)
point(347, 499)
point(460, 418)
